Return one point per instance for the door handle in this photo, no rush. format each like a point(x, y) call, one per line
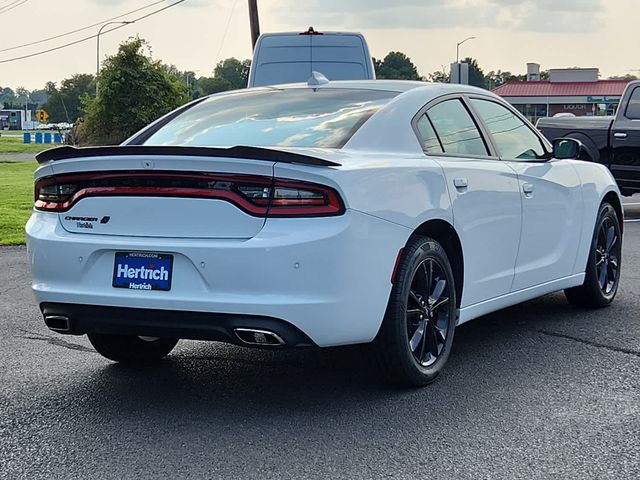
point(620, 135)
point(527, 188)
point(460, 183)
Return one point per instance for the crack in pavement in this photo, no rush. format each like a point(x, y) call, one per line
point(627, 351)
point(58, 342)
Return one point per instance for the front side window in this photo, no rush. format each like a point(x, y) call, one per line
point(512, 137)
point(456, 129)
point(299, 117)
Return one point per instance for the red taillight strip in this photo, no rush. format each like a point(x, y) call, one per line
point(329, 205)
point(232, 197)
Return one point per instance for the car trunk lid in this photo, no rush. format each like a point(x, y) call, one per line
point(178, 192)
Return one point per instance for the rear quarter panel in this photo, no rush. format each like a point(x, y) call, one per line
point(400, 189)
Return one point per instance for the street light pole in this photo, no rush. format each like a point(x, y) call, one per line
point(458, 56)
point(98, 48)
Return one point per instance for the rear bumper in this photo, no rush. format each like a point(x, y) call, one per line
point(327, 277)
point(220, 327)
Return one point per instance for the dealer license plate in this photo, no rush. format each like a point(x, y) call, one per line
point(142, 271)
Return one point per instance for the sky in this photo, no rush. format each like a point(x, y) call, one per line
point(195, 34)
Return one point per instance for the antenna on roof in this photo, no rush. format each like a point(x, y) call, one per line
point(317, 79)
point(311, 31)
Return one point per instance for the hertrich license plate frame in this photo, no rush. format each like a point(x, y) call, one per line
point(143, 271)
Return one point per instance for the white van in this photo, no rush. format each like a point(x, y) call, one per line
point(291, 57)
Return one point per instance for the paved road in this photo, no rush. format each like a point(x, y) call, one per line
point(17, 157)
point(539, 390)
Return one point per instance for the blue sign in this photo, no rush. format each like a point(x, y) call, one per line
point(142, 271)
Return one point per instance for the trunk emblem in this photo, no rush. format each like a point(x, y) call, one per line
point(105, 219)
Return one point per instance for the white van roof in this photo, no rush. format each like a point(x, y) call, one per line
point(291, 57)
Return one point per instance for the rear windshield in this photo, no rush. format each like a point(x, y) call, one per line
point(301, 117)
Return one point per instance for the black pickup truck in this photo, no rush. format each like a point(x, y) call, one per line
point(612, 141)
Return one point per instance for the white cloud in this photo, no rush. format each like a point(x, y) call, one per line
point(522, 15)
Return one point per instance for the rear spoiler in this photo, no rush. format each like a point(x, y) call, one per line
point(248, 153)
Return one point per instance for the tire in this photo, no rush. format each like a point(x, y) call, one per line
point(414, 341)
point(603, 267)
point(130, 349)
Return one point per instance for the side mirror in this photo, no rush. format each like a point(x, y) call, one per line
point(567, 148)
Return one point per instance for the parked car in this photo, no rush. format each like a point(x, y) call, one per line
point(292, 57)
point(381, 212)
point(611, 141)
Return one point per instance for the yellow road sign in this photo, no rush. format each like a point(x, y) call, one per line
point(42, 116)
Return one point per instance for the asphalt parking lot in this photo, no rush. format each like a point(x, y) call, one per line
point(540, 390)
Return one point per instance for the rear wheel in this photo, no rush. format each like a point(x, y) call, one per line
point(603, 267)
point(415, 339)
point(131, 349)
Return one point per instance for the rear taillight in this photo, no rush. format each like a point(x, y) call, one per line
point(258, 196)
point(299, 199)
point(53, 196)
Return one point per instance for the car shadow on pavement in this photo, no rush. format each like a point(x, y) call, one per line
point(512, 346)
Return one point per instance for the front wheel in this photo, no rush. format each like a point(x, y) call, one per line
point(131, 349)
point(603, 267)
point(416, 335)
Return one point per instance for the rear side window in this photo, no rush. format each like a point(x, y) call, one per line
point(299, 117)
point(430, 142)
point(513, 138)
point(633, 109)
point(456, 129)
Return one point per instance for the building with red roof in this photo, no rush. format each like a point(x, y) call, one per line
point(576, 91)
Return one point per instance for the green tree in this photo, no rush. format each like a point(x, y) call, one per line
point(495, 79)
point(209, 85)
point(628, 76)
point(396, 66)
point(9, 99)
point(476, 75)
point(133, 91)
point(39, 97)
point(440, 76)
point(64, 104)
point(233, 71)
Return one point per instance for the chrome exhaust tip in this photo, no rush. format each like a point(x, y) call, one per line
point(58, 323)
point(262, 338)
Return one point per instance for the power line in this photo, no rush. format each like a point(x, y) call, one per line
point(226, 30)
point(80, 29)
point(11, 2)
point(60, 47)
point(11, 6)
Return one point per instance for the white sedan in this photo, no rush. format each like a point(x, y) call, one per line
point(320, 214)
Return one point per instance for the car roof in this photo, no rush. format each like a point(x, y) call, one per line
point(399, 86)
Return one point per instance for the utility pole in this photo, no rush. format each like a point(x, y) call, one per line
point(254, 22)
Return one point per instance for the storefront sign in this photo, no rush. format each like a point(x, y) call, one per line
point(591, 99)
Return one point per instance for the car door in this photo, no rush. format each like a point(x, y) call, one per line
point(551, 197)
point(484, 196)
point(625, 142)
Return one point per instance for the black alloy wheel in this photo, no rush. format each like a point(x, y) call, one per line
point(428, 315)
point(414, 341)
point(602, 275)
point(608, 256)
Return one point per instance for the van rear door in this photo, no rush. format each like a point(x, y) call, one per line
point(340, 57)
point(281, 59)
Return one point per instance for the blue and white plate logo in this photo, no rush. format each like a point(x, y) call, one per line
point(142, 271)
